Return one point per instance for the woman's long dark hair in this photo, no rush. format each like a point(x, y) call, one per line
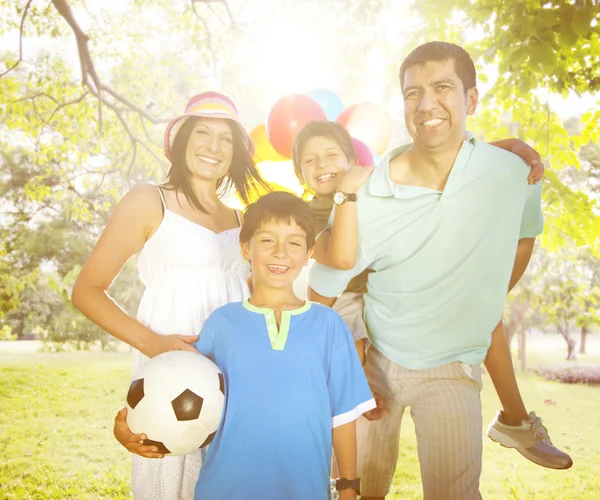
point(243, 174)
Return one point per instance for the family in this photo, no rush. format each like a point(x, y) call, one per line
point(413, 261)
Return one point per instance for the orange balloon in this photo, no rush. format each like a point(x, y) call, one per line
point(263, 150)
point(370, 123)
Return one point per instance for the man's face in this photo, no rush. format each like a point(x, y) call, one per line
point(436, 105)
point(323, 162)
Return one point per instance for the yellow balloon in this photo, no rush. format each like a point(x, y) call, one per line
point(279, 176)
point(263, 151)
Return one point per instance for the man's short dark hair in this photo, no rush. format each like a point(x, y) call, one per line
point(278, 206)
point(321, 128)
point(442, 51)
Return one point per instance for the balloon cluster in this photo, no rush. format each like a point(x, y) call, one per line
point(368, 123)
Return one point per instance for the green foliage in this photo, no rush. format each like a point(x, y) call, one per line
point(6, 333)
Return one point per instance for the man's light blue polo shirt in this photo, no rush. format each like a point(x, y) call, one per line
point(443, 260)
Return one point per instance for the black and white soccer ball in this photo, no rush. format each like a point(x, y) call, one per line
point(176, 399)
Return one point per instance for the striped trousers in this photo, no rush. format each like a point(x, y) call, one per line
point(445, 406)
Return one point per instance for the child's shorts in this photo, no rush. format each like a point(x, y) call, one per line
point(350, 306)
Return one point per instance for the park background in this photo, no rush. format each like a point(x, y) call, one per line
point(86, 88)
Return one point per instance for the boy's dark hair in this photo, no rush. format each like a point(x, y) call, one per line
point(442, 51)
point(278, 206)
point(321, 128)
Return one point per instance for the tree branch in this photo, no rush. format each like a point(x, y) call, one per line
point(89, 70)
point(208, 38)
point(20, 40)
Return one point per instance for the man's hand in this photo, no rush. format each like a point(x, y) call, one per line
point(133, 442)
point(380, 411)
point(354, 178)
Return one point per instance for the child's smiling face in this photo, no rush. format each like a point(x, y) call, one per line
point(277, 252)
point(322, 163)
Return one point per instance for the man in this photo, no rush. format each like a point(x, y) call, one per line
point(444, 224)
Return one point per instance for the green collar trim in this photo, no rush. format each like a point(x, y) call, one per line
point(278, 338)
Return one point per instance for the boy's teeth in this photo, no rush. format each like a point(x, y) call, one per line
point(432, 123)
point(325, 177)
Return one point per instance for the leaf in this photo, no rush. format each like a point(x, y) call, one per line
point(542, 53)
point(581, 20)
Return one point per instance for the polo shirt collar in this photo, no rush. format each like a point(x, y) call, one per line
point(380, 183)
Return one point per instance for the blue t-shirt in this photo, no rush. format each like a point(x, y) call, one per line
point(285, 391)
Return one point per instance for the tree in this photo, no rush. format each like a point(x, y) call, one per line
point(74, 139)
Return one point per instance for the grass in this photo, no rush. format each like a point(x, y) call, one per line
point(56, 413)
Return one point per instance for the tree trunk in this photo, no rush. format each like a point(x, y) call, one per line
point(565, 331)
point(523, 348)
point(584, 332)
point(509, 332)
point(518, 325)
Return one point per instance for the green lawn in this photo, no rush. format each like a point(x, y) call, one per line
point(56, 441)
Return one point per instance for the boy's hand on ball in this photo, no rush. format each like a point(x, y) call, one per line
point(133, 442)
point(167, 343)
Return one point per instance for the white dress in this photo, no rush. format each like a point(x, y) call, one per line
point(188, 271)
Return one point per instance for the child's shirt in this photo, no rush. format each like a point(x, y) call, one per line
point(285, 390)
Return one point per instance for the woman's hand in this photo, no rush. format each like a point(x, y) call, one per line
point(133, 442)
point(166, 343)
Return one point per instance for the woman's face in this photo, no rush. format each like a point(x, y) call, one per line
point(209, 149)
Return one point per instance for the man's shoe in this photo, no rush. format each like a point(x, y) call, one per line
point(531, 440)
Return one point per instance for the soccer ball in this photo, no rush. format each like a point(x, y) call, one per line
point(176, 399)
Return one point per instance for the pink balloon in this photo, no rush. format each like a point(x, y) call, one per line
point(365, 157)
point(368, 122)
point(287, 117)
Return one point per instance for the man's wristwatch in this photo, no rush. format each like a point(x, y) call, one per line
point(345, 484)
point(340, 197)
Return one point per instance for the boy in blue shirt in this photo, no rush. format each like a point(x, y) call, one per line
point(294, 383)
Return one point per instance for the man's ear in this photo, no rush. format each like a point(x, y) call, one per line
point(472, 100)
point(245, 250)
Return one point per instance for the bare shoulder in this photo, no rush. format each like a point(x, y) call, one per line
point(142, 206)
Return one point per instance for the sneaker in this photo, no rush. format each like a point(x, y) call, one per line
point(531, 440)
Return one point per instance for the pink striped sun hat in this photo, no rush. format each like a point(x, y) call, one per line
point(206, 105)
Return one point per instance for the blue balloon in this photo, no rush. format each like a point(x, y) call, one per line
point(376, 159)
point(331, 103)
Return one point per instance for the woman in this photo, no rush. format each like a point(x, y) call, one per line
point(189, 260)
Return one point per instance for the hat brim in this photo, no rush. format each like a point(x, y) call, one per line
point(175, 124)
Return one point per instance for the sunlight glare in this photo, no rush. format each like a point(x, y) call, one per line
point(290, 56)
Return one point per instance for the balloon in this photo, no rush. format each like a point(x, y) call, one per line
point(279, 176)
point(330, 102)
point(365, 157)
point(376, 159)
point(368, 122)
point(263, 150)
point(287, 117)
